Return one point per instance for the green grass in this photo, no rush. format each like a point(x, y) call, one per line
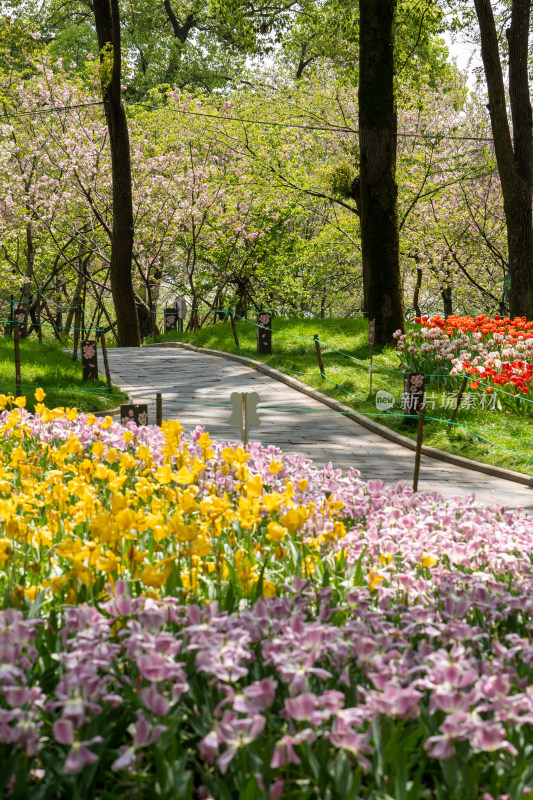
point(348, 381)
point(48, 367)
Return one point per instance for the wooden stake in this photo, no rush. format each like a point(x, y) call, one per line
point(38, 319)
point(371, 340)
point(77, 326)
point(319, 357)
point(459, 398)
point(106, 362)
point(16, 343)
point(233, 328)
point(418, 452)
point(158, 409)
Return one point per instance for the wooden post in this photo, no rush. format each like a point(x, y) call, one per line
point(418, 452)
point(158, 409)
point(319, 357)
point(77, 326)
point(459, 398)
point(38, 320)
point(234, 329)
point(12, 314)
point(106, 362)
point(16, 344)
point(371, 340)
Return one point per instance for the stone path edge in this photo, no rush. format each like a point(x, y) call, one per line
point(369, 424)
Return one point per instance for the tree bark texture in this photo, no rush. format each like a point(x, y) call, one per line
point(447, 299)
point(514, 152)
point(382, 285)
point(107, 21)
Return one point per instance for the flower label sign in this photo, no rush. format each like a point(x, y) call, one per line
point(171, 319)
point(264, 334)
point(134, 412)
point(244, 412)
point(21, 316)
point(414, 387)
point(89, 360)
point(181, 307)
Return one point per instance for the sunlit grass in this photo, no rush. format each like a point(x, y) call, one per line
point(47, 366)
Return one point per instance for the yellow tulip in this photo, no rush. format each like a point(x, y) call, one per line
point(276, 532)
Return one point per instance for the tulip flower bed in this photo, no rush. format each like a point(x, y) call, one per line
point(495, 352)
point(185, 619)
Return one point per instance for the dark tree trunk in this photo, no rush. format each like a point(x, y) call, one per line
point(107, 20)
point(447, 299)
point(383, 296)
point(416, 294)
point(515, 159)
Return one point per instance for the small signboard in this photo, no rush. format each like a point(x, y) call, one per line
point(264, 334)
point(89, 360)
point(134, 412)
point(244, 412)
point(414, 387)
point(171, 319)
point(21, 316)
point(180, 306)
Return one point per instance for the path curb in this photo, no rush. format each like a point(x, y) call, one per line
point(369, 424)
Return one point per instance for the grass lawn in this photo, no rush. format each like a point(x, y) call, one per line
point(47, 366)
point(509, 432)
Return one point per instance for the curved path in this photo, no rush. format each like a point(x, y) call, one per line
point(189, 381)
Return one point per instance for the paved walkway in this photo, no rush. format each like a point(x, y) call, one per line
point(187, 380)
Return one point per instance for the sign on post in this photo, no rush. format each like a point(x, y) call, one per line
point(181, 308)
point(171, 319)
point(244, 412)
point(21, 316)
point(414, 387)
point(264, 334)
point(134, 412)
point(89, 360)
point(371, 340)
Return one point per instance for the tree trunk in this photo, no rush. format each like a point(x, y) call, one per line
point(416, 294)
point(383, 296)
point(447, 299)
point(515, 159)
point(107, 20)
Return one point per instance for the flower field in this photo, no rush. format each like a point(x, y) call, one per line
point(185, 619)
point(494, 352)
